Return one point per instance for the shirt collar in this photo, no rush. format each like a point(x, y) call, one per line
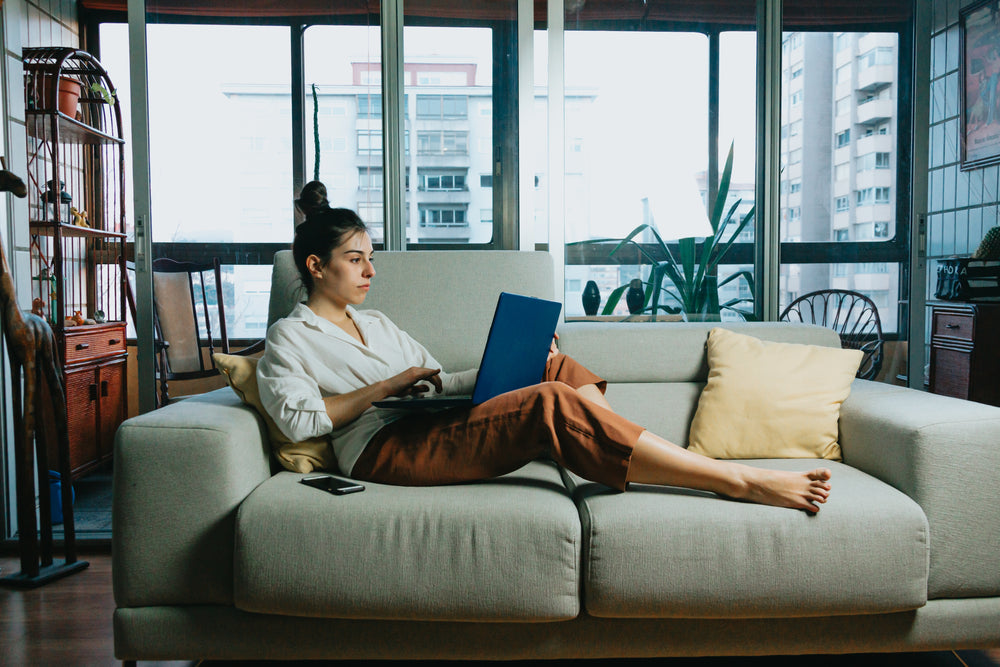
point(303, 313)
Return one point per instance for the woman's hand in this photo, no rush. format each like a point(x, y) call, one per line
point(413, 381)
point(553, 348)
point(345, 408)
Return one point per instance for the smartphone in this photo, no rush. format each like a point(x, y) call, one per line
point(332, 484)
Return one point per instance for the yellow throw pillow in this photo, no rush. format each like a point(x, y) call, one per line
point(306, 456)
point(767, 400)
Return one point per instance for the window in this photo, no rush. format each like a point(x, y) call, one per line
point(842, 139)
point(794, 214)
point(442, 217)
point(486, 180)
point(881, 195)
point(795, 157)
point(864, 197)
point(369, 142)
point(796, 98)
point(841, 235)
point(842, 171)
point(442, 106)
point(843, 106)
point(843, 40)
point(882, 161)
point(843, 204)
point(442, 182)
point(795, 186)
point(881, 232)
point(796, 73)
point(843, 74)
point(878, 56)
point(369, 106)
point(370, 179)
point(442, 143)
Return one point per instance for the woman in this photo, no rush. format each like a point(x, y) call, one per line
point(326, 363)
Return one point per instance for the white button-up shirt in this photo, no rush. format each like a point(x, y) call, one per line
point(308, 358)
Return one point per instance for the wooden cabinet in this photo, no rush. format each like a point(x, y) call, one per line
point(965, 359)
point(95, 393)
point(76, 210)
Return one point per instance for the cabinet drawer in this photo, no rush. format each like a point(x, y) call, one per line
point(953, 325)
point(89, 343)
point(950, 372)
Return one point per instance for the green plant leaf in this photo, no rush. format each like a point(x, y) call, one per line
point(613, 299)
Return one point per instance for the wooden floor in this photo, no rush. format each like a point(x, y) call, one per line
point(68, 622)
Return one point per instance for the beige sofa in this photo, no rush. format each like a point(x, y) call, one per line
point(219, 555)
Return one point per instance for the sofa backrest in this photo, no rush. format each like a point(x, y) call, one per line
point(444, 299)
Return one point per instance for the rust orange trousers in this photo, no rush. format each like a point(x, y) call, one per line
point(550, 419)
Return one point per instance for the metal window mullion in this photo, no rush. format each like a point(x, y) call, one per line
point(298, 82)
point(139, 86)
point(557, 145)
point(919, 165)
point(767, 208)
point(393, 126)
point(526, 136)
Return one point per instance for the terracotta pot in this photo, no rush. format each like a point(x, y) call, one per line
point(68, 96)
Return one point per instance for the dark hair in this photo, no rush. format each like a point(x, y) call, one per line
point(312, 198)
point(324, 230)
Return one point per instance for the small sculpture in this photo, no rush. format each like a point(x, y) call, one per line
point(78, 317)
point(79, 217)
point(99, 316)
point(635, 297)
point(591, 298)
point(38, 306)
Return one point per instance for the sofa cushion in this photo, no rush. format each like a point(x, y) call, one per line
point(770, 400)
point(662, 552)
point(505, 549)
point(305, 456)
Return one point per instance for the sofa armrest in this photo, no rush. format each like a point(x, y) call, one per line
point(944, 453)
point(180, 474)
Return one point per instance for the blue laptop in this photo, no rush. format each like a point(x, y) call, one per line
point(514, 357)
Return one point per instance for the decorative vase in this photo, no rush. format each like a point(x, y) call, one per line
point(591, 298)
point(635, 297)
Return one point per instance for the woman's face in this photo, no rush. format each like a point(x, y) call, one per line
point(346, 278)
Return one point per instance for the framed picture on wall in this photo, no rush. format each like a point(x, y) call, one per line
point(979, 79)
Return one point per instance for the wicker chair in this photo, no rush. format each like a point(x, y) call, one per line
point(852, 315)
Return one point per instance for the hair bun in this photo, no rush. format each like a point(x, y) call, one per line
point(312, 198)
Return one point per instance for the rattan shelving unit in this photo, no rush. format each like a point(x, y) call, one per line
point(76, 204)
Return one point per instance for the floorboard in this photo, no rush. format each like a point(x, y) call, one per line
point(68, 622)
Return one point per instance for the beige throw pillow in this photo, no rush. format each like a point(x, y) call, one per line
point(766, 400)
point(306, 456)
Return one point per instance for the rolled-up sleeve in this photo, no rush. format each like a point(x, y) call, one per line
point(288, 393)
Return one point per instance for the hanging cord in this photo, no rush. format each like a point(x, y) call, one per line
point(315, 133)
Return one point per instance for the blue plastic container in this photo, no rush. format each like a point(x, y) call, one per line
point(55, 496)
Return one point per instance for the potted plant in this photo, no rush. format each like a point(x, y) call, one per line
point(693, 273)
point(67, 94)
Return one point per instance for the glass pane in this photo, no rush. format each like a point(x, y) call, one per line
point(220, 133)
point(634, 155)
point(448, 82)
point(876, 280)
point(343, 105)
point(839, 154)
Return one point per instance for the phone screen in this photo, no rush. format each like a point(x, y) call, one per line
point(332, 484)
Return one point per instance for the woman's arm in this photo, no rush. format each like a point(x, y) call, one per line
point(345, 408)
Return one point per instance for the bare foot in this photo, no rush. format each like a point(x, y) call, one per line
point(798, 490)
